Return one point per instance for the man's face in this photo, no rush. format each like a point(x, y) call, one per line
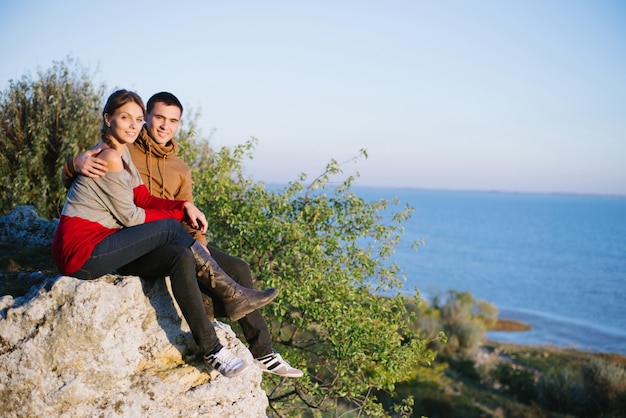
point(163, 122)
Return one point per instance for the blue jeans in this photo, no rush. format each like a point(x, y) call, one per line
point(157, 249)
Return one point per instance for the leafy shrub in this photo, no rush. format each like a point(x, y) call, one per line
point(517, 381)
point(445, 405)
point(562, 391)
point(193, 147)
point(598, 389)
point(328, 251)
point(466, 368)
point(463, 319)
point(606, 382)
point(44, 120)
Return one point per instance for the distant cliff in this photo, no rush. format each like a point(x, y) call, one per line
point(112, 347)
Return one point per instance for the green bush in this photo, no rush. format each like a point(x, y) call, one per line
point(596, 390)
point(516, 380)
point(562, 391)
point(606, 382)
point(328, 251)
point(466, 368)
point(463, 319)
point(193, 148)
point(43, 120)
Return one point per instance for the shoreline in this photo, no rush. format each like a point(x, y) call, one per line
point(562, 336)
point(500, 348)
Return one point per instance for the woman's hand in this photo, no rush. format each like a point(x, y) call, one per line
point(195, 217)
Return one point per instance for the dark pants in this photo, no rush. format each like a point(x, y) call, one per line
point(157, 249)
point(253, 325)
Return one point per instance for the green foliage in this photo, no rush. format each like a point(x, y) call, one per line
point(606, 383)
point(561, 390)
point(558, 381)
point(192, 147)
point(328, 252)
point(463, 319)
point(518, 381)
point(44, 120)
point(445, 403)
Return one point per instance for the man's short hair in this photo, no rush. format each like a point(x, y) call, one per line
point(164, 97)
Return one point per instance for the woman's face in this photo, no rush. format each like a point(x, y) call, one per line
point(125, 123)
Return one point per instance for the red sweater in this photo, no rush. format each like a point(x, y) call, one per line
point(97, 208)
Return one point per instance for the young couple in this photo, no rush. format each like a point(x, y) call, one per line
point(131, 210)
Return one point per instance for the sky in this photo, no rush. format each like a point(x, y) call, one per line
point(523, 96)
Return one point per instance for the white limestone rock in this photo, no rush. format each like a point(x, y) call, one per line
point(23, 226)
point(113, 347)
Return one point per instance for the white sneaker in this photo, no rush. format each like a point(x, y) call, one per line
point(274, 363)
point(225, 362)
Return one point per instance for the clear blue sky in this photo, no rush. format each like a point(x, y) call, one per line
point(487, 95)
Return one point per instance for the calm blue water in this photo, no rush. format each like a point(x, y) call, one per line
point(557, 262)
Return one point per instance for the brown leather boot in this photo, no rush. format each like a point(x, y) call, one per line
point(213, 306)
point(208, 307)
point(238, 301)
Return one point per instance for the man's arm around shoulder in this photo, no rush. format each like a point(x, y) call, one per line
point(87, 164)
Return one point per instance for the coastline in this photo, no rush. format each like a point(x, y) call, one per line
point(548, 331)
point(502, 350)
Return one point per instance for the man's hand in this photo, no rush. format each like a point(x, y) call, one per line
point(195, 217)
point(88, 164)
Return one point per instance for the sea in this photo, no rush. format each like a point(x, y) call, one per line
point(554, 261)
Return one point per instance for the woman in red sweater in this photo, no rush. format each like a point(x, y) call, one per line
point(114, 223)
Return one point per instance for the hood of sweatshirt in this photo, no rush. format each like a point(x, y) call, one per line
point(149, 147)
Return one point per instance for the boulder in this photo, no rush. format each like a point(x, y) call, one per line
point(113, 347)
point(22, 226)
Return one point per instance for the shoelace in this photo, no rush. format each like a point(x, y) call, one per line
point(225, 357)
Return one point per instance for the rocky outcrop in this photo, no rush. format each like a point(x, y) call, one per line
point(113, 347)
point(23, 227)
